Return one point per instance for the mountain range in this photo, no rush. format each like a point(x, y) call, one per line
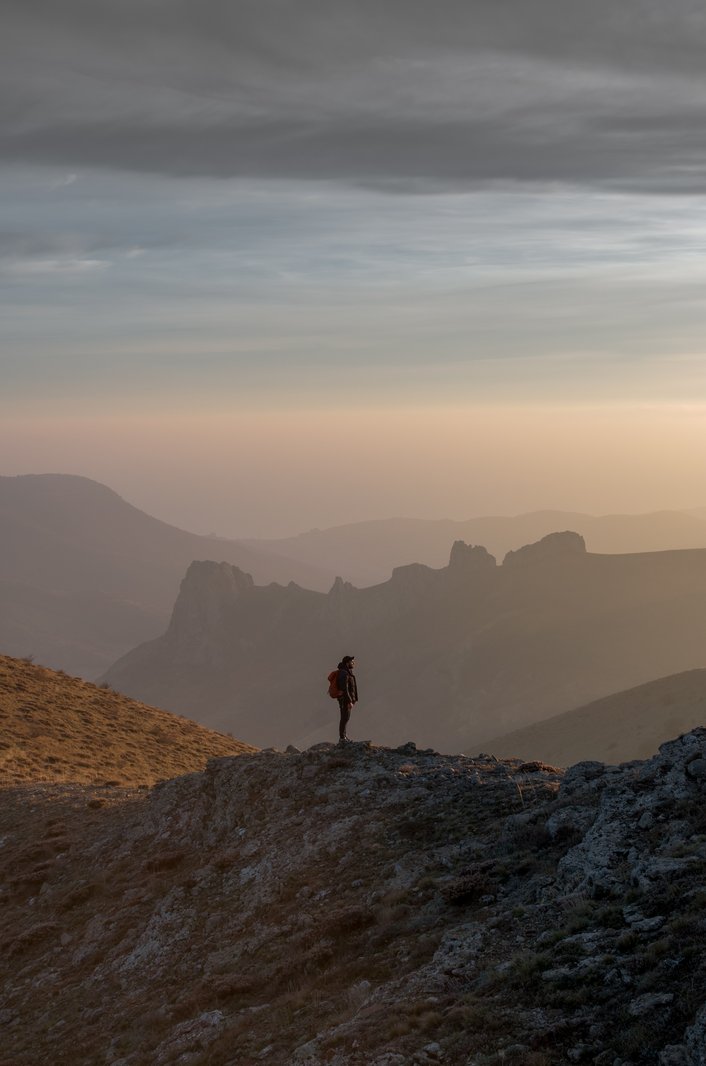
point(452, 657)
point(366, 553)
point(84, 575)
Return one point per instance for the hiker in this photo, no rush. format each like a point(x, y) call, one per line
point(348, 693)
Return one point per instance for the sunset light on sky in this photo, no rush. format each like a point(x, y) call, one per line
point(452, 253)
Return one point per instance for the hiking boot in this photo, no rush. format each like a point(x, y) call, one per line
point(343, 740)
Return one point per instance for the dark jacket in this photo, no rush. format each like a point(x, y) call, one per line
point(346, 683)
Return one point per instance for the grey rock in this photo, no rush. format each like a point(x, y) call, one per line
point(637, 920)
point(604, 1058)
point(695, 1038)
point(649, 1002)
point(697, 769)
point(580, 1053)
point(649, 925)
point(675, 1055)
point(575, 819)
point(587, 770)
point(433, 1050)
point(409, 748)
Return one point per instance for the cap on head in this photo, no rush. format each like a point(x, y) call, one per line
point(348, 658)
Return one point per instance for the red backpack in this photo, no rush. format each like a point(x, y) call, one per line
point(333, 689)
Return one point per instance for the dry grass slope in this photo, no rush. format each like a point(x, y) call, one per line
point(61, 729)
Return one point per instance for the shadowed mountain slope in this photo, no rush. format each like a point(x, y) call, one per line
point(367, 552)
point(451, 656)
point(364, 907)
point(61, 729)
point(625, 725)
point(84, 575)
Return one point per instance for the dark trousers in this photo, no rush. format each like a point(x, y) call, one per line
point(345, 704)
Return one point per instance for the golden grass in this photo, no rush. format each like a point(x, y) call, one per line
point(61, 729)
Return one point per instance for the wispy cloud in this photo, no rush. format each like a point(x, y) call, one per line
point(39, 267)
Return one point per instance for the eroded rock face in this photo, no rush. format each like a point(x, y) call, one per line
point(630, 803)
point(360, 905)
point(206, 596)
point(454, 656)
point(553, 546)
point(470, 559)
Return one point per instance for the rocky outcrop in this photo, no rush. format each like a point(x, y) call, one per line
point(361, 906)
point(200, 615)
point(493, 648)
point(470, 559)
point(549, 548)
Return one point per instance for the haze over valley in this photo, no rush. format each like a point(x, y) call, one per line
point(451, 656)
point(86, 578)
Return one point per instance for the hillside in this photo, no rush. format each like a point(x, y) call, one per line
point(84, 575)
point(625, 725)
point(60, 729)
point(366, 553)
point(453, 656)
point(365, 907)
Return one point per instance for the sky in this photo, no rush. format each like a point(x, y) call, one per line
point(274, 264)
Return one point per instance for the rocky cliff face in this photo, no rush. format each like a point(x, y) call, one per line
point(361, 907)
point(552, 547)
point(496, 647)
point(200, 615)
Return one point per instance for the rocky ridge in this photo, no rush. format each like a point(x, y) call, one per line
point(453, 657)
point(361, 906)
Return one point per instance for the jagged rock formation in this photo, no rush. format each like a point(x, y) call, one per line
point(207, 592)
point(551, 546)
point(85, 576)
point(470, 559)
point(366, 552)
point(361, 907)
point(452, 656)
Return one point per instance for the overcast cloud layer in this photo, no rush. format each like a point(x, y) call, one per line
point(403, 94)
point(249, 209)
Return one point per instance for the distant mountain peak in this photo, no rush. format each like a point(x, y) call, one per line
point(553, 546)
point(470, 558)
point(340, 586)
point(205, 597)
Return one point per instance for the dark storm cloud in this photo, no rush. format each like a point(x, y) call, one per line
point(402, 93)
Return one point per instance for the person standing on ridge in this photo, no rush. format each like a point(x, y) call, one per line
point(348, 689)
